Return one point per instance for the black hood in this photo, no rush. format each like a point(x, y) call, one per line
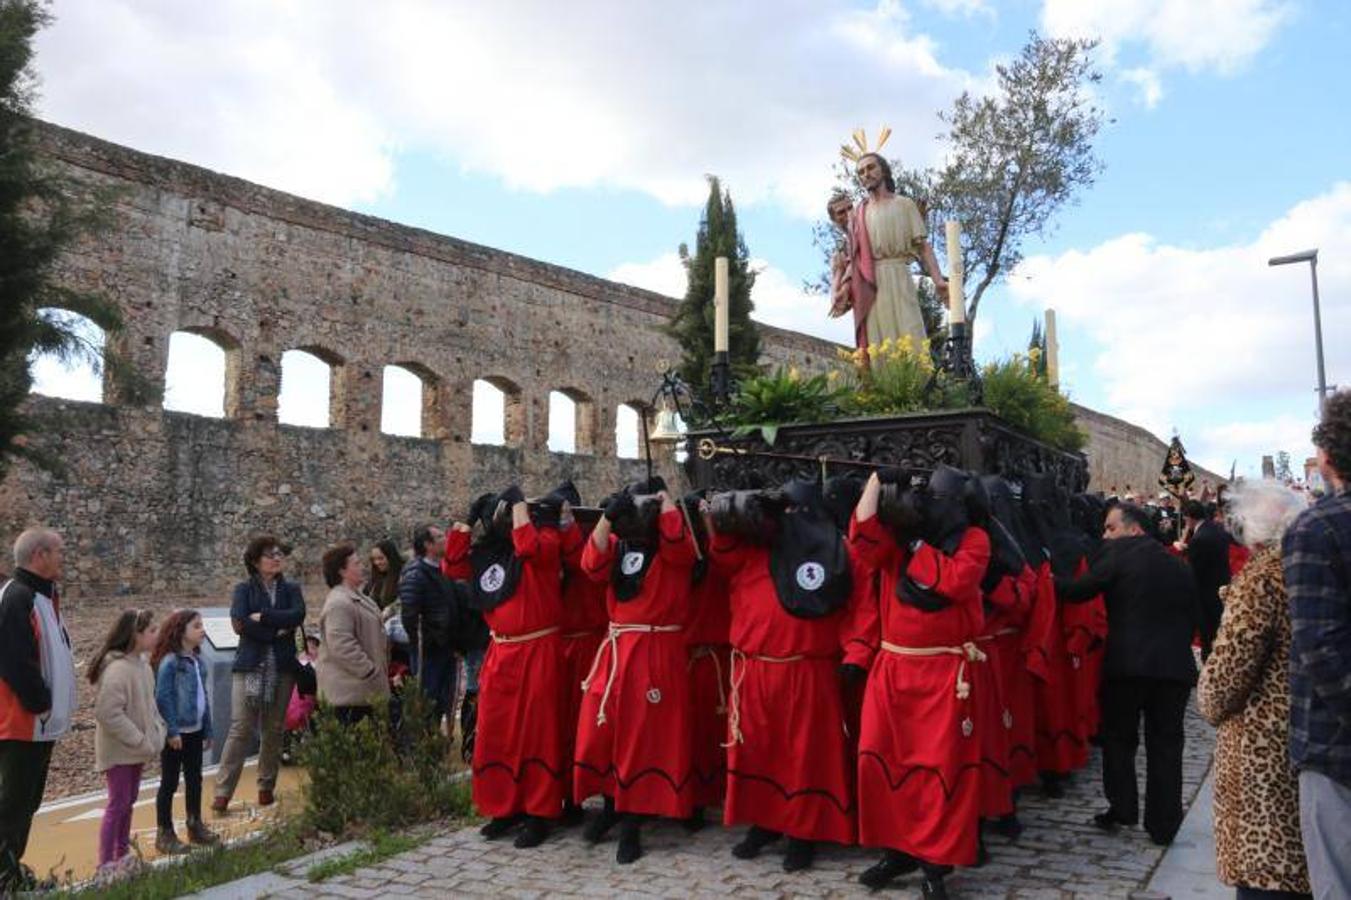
point(946, 512)
point(840, 496)
point(1007, 554)
point(1049, 509)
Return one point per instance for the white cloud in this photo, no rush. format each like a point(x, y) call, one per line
point(310, 96)
point(1207, 336)
point(966, 9)
point(779, 299)
point(1197, 35)
point(1146, 80)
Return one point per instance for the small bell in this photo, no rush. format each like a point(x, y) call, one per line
point(665, 431)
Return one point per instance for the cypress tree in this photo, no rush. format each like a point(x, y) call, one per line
point(693, 322)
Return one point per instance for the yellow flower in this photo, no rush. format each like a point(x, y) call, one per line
point(833, 375)
point(794, 374)
point(872, 349)
point(1034, 354)
point(844, 353)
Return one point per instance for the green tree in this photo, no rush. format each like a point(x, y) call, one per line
point(1015, 157)
point(693, 323)
point(39, 219)
point(1283, 470)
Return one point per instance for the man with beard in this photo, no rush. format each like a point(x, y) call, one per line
point(514, 570)
point(919, 753)
point(633, 729)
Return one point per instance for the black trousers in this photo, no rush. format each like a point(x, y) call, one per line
point(351, 715)
point(1163, 704)
point(23, 778)
point(189, 761)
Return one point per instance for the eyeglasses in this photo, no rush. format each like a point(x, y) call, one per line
point(274, 554)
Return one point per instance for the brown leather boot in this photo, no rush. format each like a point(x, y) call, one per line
point(168, 844)
point(200, 834)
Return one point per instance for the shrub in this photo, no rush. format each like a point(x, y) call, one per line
point(363, 775)
point(900, 378)
point(1015, 393)
point(780, 398)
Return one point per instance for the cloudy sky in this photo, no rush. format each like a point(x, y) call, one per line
point(579, 133)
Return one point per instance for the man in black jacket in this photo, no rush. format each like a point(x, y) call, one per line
point(1208, 553)
point(1149, 668)
point(428, 605)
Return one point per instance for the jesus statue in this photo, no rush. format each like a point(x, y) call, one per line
point(886, 234)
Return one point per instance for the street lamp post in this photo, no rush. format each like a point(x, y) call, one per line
point(1311, 257)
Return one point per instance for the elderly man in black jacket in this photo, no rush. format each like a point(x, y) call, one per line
point(1149, 669)
point(430, 611)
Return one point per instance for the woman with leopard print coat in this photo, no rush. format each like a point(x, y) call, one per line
point(1244, 690)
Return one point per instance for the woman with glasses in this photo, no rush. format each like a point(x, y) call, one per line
point(265, 611)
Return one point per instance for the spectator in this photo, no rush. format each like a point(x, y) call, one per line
point(1316, 554)
point(429, 605)
point(37, 692)
point(353, 661)
point(1245, 691)
point(304, 698)
point(128, 731)
point(1148, 669)
point(1207, 551)
point(383, 584)
point(265, 611)
point(180, 694)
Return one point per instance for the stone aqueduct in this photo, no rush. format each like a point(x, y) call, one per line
point(157, 501)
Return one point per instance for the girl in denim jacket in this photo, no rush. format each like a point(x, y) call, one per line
point(180, 694)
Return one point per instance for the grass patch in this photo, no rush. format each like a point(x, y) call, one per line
point(382, 846)
point(207, 867)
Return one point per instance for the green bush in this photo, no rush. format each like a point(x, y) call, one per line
point(1015, 393)
point(362, 775)
point(781, 398)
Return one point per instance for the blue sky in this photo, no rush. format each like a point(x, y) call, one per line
point(579, 134)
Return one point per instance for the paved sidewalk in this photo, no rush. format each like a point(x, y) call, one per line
point(1060, 855)
point(1187, 870)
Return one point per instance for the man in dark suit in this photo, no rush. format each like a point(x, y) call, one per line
point(1208, 553)
point(1149, 669)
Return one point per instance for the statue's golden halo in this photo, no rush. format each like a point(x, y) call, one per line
point(860, 147)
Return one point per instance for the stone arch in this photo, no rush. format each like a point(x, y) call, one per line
point(513, 431)
point(336, 413)
point(188, 363)
point(583, 410)
point(80, 378)
point(432, 417)
point(629, 428)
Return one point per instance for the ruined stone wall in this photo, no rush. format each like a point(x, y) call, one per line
point(1125, 456)
point(154, 501)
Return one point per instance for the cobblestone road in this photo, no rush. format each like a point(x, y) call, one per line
point(1059, 855)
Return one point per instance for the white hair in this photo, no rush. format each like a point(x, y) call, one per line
point(31, 542)
point(1260, 511)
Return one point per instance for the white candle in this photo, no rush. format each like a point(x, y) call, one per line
point(1052, 351)
point(956, 299)
point(720, 302)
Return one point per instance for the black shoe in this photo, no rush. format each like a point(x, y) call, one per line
point(1052, 785)
point(932, 888)
point(982, 855)
point(800, 855)
point(893, 865)
point(533, 834)
point(630, 844)
point(1161, 839)
point(1007, 826)
point(573, 815)
point(755, 840)
point(600, 824)
point(695, 822)
point(1107, 821)
point(498, 827)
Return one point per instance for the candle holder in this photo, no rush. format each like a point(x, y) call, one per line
point(958, 361)
point(720, 379)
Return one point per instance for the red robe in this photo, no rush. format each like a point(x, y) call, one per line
point(1059, 747)
point(1006, 609)
point(788, 766)
point(519, 765)
point(638, 751)
point(1011, 601)
point(584, 620)
point(710, 669)
point(919, 749)
point(1085, 646)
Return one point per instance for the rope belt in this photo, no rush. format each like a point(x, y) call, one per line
point(968, 652)
point(738, 675)
point(699, 652)
point(611, 640)
point(523, 638)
